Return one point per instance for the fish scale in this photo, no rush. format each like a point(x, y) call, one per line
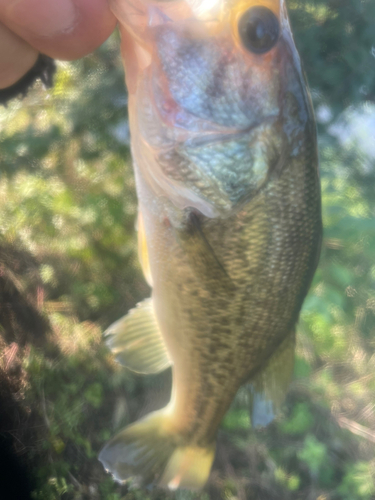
point(260, 326)
point(226, 166)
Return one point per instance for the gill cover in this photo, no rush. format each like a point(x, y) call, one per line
point(205, 83)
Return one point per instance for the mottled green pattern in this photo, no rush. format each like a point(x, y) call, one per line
point(222, 326)
point(234, 132)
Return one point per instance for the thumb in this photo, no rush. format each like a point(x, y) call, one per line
point(62, 29)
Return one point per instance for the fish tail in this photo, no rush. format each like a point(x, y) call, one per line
point(152, 453)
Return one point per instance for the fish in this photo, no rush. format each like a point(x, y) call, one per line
point(224, 147)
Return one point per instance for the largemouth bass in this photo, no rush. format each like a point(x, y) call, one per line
point(225, 157)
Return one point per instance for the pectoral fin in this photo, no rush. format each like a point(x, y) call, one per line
point(202, 256)
point(136, 340)
point(268, 388)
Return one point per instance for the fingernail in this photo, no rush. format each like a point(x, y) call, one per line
point(43, 17)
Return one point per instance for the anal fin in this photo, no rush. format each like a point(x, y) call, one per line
point(268, 388)
point(136, 340)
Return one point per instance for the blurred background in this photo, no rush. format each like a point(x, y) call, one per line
point(68, 268)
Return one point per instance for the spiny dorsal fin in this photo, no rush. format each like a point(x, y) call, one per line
point(268, 388)
point(136, 340)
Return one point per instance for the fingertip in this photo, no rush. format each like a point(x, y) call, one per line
point(16, 57)
point(63, 29)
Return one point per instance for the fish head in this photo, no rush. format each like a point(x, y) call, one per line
point(218, 100)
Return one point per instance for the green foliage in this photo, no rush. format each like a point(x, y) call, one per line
point(67, 200)
point(94, 394)
point(292, 482)
point(314, 454)
point(335, 38)
point(63, 172)
point(300, 421)
point(359, 481)
point(236, 419)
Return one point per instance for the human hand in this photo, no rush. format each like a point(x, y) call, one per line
point(61, 29)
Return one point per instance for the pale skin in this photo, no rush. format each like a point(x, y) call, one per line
point(61, 29)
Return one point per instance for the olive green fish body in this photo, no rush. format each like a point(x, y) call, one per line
point(225, 158)
point(222, 316)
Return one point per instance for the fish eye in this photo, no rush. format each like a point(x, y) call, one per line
point(259, 29)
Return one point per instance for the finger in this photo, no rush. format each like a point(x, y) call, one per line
point(62, 29)
point(16, 57)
